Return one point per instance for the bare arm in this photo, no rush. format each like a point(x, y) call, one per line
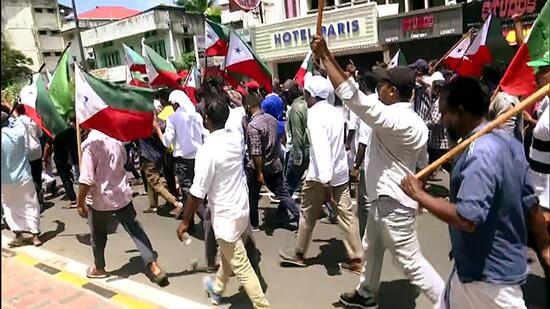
point(334, 71)
point(538, 226)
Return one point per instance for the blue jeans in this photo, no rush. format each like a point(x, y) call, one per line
point(294, 174)
point(276, 184)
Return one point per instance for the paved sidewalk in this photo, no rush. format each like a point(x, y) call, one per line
point(25, 286)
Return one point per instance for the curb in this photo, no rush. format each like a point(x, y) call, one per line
point(119, 290)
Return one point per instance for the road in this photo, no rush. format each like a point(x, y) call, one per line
point(316, 286)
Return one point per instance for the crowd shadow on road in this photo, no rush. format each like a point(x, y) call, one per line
point(49, 235)
point(387, 295)
point(272, 222)
point(133, 267)
point(332, 253)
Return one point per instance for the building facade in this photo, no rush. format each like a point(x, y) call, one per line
point(351, 33)
point(166, 29)
point(33, 28)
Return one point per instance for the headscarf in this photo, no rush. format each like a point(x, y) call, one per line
point(273, 105)
point(178, 96)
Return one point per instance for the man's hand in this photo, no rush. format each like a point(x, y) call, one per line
point(182, 229)
point(354, 175)
point(329, 197)
point(82, 209)
point(261, 180)
point(318, 46)
point(412, 187)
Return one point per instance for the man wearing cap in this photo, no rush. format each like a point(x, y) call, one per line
point(398, 144)
point(422, 101)
point(327, 177)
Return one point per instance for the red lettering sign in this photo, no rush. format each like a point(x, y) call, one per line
point(505, 9)
point(418, 22)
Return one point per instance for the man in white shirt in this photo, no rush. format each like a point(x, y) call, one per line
point(184, 130)
point(219, 174)
point(399, 142)
point(327, 177)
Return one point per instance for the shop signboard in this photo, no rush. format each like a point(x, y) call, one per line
point(424, 24)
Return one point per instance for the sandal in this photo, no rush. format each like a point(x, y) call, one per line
point(37, 242)
point(91, 273)
point(150, 210)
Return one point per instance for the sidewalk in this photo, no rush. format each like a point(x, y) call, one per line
point(25, 286)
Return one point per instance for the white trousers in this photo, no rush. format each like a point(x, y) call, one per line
point(478, 294)
point(392, 226)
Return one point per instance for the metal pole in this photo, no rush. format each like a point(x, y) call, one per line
point(79, 38)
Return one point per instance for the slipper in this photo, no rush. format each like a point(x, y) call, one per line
point(160, 279)
point(37, 243)
point(91, 275)
point(16, 243)
point(70, 206)
point(150, 210)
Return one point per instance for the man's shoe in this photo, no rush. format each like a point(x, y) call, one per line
point(290, 258)
point(208, 284)
point(352, 266)
point(354, 300)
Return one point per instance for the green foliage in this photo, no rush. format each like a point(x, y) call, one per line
point(203, 7)
point(14, 69)
point(185, 62)
point(11, 92)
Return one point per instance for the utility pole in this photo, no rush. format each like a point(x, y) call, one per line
point(79, 38)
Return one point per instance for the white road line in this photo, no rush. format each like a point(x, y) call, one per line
point(125, 286)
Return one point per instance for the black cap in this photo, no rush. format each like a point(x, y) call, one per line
point(402, 77)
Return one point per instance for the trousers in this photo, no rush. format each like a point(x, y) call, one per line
point(155, 184)
point(393, 226)
point(100, 220)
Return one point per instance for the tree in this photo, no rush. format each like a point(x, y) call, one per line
point(14, 65)
point(185, 62)
point(203, 7)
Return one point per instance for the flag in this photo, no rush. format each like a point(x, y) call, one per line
point(240, 59)
point(519, 78)
point(488, 46)
point(122, 112)
point(306, 67)
point(61, 88)
point(194, 79)
point(398, 59)
point(215, 39)
point(40, 107)
point(458, 55)
point(159, 71)
point(136, 71)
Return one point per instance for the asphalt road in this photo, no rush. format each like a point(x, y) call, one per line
point(316, 286)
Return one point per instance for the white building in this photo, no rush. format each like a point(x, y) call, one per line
point(167, 29)
point(33, 28)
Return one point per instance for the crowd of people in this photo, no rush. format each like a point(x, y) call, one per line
point(342, 131)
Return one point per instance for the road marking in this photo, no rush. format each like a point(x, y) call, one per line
point(74, 273)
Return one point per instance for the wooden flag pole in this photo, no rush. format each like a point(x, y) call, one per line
point(320, 9)
point(450, 50)
point(532, 99)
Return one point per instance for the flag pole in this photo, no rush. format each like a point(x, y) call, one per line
point(450, 50)
point(532, 99)
point(85, 68)
point(320, 9)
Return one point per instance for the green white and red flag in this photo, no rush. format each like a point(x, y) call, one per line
point(398, 59)
point(40, 107)
point(61, 87)
point(241, 60)
point(488, 46)
point(194, 78)
point(215, 39)
point(519, 78)
point(120, 111)
point(160, 71)
point(457, 56)
point(136, 70)
point(305, 67)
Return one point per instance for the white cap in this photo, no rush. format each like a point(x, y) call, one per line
point(158, 106)
point(437, 76)
point(178, 96)
point(318, 86)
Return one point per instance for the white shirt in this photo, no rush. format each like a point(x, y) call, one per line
point(399, 141)
point(364, 136)
point(235, 119)
point(328, 162)
point(219, 173)
point(33, 138)
point(184, 130)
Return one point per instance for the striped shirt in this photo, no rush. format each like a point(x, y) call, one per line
point(539, 158)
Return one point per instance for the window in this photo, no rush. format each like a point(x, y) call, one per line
point(54, 32)
point(290, 8)
point(108, 44)
point(185, 29)
point(58, 54)
point(50, 10)
point(150, 33)
point(42, 32)
point(46, 54)
point(110, 59)
point(158, 46)
point(38, 10)
point(187, 44)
